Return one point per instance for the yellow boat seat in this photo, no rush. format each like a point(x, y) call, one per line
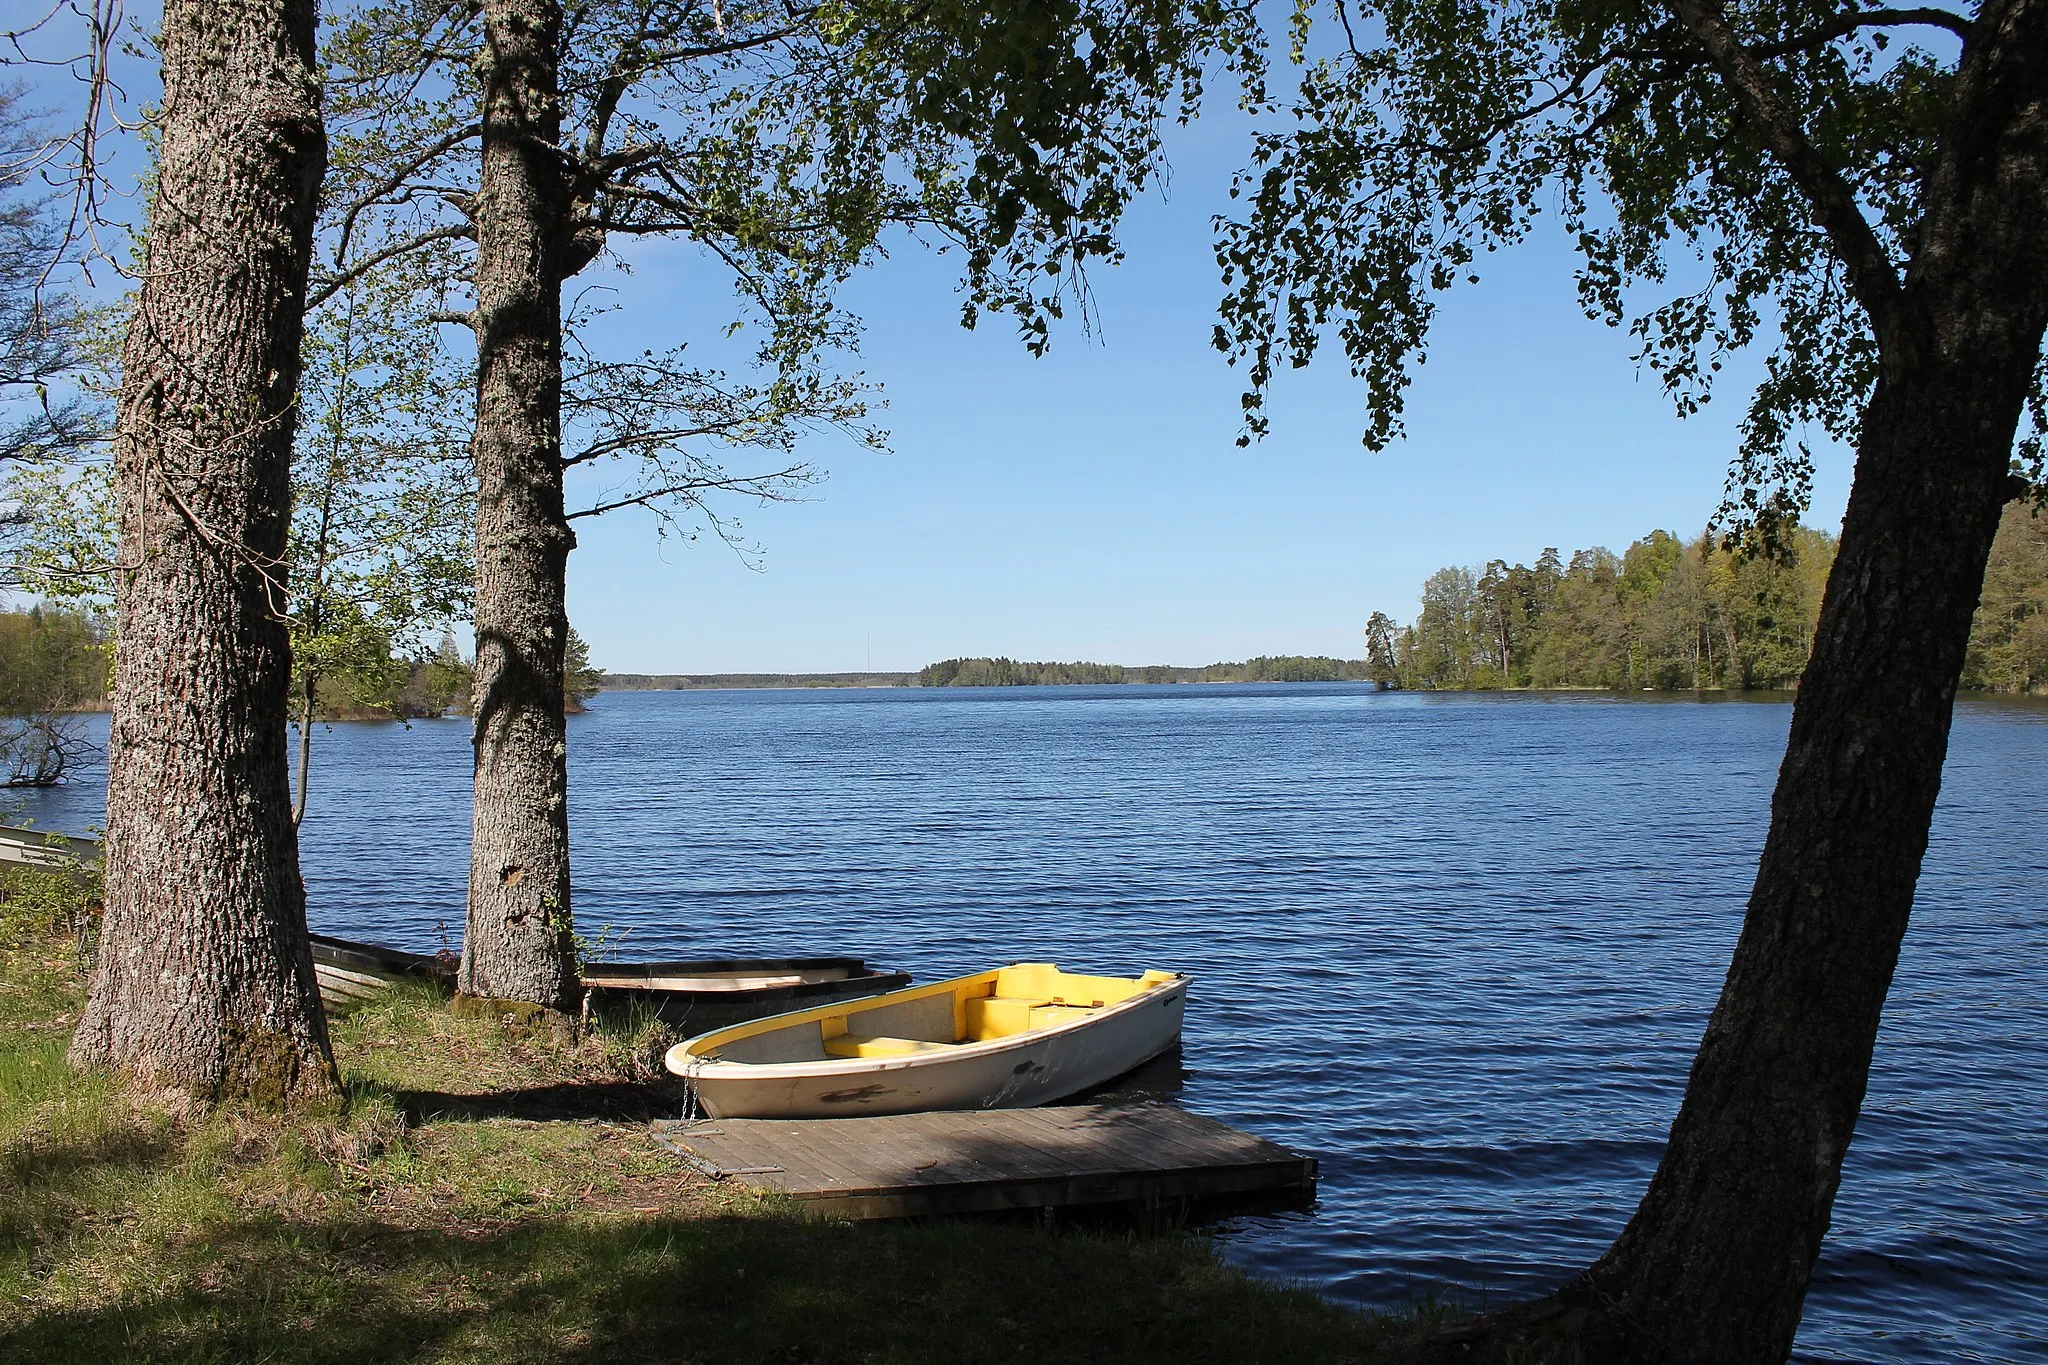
point(998, 1016)
point(876, 1045)
point(1046, 1016)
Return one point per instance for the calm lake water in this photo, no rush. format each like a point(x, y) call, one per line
point(1460, 947)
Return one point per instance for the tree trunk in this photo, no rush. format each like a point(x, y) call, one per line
point(306, 708)
point(204, 979)
point(1715, 1264)
point(518, 944)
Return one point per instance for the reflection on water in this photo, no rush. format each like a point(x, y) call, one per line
point(1159, 1081)
point(1459, 947)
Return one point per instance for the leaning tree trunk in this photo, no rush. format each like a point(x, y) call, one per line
point(1715, 1264)
point(518, 944)
point(204, 979)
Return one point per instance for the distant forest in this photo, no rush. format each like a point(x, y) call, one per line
point(684, 682)
point(986, 672)
point(1667, 614)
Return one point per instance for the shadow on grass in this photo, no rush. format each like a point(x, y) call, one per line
point(701, 1290)
point(45, 1162)
point(626, 1101)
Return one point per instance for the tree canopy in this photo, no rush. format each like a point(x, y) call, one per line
point(1427, 137)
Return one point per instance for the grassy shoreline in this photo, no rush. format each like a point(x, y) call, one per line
point(490, 1193)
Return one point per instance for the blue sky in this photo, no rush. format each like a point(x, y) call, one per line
point(1093, 504)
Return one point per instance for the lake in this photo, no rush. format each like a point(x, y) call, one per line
point(1461, 947)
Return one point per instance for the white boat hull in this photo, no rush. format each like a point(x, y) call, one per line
point(1002, 1073)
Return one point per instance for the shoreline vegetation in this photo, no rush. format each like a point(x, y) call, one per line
point(987, 671)
point(1666, 615)
point(487, 1191)
point(1675, 616)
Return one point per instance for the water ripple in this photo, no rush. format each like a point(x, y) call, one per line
point(1462, 948)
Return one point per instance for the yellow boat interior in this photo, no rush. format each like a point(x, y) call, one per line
point(1027, 997)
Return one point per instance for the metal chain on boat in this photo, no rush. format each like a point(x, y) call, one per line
point(693, 1112)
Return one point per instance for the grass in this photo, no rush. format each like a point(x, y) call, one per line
point(492, 1195)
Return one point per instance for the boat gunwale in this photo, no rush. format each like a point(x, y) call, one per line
point(683, 1060)
point(792, 996)
point(356, 955)
point(597, 973)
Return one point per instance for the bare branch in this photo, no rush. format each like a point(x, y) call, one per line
point(759, 485)
point(334, 284)
point(395, 181)
point(638, 440)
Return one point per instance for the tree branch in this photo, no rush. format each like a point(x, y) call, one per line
point(1841, 26)
point(670, 436)
point(334, 284)
point(1872, 276)
point(760, 485)
point(397, 178)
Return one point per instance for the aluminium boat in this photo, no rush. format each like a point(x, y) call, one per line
point(694, 997)
point(350, 973)
point(690, 996)
point(1005, 1039)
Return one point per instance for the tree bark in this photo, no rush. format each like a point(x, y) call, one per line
point(307, 703)
point(518, 944)
point(204, 980)
point(1715, 1264)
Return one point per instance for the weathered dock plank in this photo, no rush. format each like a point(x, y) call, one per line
point(907, 1165)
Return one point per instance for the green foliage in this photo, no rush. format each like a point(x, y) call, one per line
point(53, 664)
point(48, 333)
point(46, 913)
point(786, 143)
point(987, 672)
point(1010, 673)
point(1379, 650)
point(382, 497)
point(1663, 615)
point(580, 682)
point(52, 659)
point(2009, 637)
point(55, 356)
point(1426, 136)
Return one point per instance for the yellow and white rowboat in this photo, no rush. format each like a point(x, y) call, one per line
point(1004, 1039)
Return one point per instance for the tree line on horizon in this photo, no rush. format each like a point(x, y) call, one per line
point(1672, 615)
point(985, 671)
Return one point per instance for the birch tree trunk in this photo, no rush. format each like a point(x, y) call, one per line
point(518, 944)
point(1715, 1264)
point(204, 979)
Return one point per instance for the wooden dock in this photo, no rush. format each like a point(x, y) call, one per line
point(979, 1161)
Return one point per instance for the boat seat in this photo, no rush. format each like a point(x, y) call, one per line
point(1004, 1016)
point(877, 1045)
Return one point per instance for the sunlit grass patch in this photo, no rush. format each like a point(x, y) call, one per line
point(489, 1193)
